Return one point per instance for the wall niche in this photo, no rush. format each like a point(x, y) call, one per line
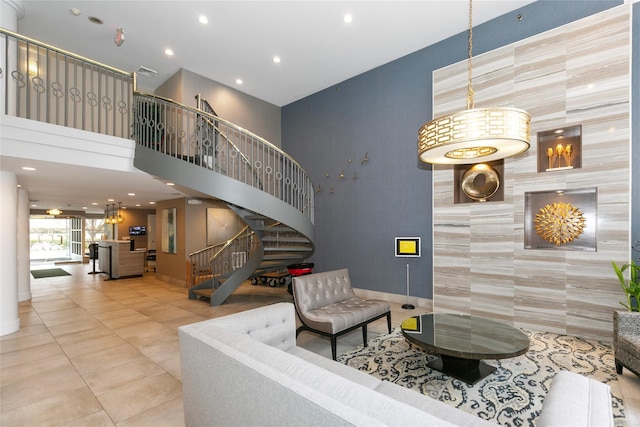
point(480, 182)
point(560, 149)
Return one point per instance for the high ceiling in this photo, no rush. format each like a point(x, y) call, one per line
point(316, 47)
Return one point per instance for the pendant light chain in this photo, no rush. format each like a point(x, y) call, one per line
point(470, 103)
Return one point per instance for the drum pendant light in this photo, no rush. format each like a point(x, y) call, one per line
point(475, 134)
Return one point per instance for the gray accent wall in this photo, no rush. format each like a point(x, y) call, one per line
point(379, 113)
point(260, 117)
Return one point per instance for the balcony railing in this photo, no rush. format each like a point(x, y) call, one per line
point(50, 85)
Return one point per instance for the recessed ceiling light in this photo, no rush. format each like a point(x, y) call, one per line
point(131, 194)
point(94, 204)
point(171, 183)
point(110, 200)
point(348, 18)
point(75, 12)
point(168, 52)
point(152, 203)
point(28, 168)
point(276, 59)
point(84, 208)
point(239, 81)
point(138, 205)
point(203, 19)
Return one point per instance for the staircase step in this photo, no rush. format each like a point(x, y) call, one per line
point(285, 239)
point(286, 249)
point(280, 257)
point(278, 229)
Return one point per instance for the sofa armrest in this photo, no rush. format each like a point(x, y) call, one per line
point(576, 401)
point(274, 325)
point(626, 323)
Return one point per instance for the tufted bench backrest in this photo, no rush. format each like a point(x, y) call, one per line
point(274, 325)
point(313, 291)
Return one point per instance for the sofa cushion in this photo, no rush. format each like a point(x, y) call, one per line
point(338, 316)
point(589, 401)
point(432, 406)
point(345, 371)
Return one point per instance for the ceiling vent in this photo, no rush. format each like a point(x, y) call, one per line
point(147, 72)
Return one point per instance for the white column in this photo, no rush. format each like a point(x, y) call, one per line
point(9, 321)
point(24, 273)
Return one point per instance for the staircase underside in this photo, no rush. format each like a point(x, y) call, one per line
point(285, 233)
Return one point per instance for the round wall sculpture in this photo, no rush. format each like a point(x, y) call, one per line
point(480, 182)
point(559, 223)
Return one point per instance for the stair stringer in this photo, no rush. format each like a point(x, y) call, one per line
point(222, 187)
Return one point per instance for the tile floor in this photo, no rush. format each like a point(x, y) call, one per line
point(93, 352)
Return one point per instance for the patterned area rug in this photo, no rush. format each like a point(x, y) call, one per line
point(513, 394)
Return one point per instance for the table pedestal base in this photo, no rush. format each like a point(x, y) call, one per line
point(467, 370)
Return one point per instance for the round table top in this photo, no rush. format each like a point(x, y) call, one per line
point(464, 336)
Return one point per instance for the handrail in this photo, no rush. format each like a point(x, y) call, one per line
point(208, 141)
point(223, 244)
point(64, 52)
point(226, 122)
point(48, 84)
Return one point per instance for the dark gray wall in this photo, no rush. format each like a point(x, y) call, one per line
point(258, 116)
point(379, 113)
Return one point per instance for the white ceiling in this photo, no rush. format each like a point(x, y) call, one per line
point(317, 50)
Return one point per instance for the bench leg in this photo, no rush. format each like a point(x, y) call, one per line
point(389, 321)
point(333, 347)
point(364, 334)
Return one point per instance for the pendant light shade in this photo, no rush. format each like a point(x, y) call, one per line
point(475, 134)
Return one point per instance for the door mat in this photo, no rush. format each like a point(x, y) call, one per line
point(49, 272)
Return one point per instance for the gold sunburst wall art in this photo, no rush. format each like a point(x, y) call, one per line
point(561, 219)
point(559, 223)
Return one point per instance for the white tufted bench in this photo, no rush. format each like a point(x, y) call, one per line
point(326, 305)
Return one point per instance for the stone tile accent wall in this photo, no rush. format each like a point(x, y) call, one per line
point(575, 74)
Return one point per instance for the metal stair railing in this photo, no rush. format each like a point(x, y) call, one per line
point(177, 130)
point(219, 260)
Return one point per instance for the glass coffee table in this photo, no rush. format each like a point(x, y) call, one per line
point(462, 342)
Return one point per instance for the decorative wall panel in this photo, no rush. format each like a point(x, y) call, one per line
point(577, 74)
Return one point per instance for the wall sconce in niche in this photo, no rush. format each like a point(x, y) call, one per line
point(560, 149)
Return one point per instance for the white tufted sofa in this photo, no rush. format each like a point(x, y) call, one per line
point(326, 305)
point(246, 370)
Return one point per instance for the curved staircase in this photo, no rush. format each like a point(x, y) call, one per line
point(268, 189)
